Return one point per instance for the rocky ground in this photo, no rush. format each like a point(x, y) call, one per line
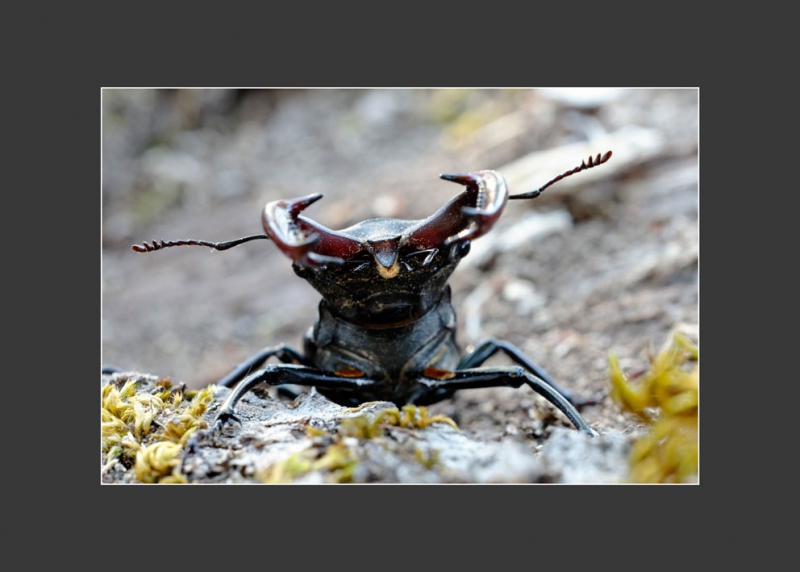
point(605, 261)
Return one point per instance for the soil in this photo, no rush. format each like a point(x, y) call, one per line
point(603, 262)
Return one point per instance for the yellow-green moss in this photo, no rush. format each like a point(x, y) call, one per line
point(428, 459)
point(411, 417)
point(147, 430)
point(666, 398)
point(159, 463)
point(337, 461)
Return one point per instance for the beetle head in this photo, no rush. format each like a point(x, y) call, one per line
point(387, 271)
point(385, 279)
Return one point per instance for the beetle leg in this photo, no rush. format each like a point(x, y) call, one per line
point(506, 377)
point(491, 346)
point(286, 354)
point(281, 374)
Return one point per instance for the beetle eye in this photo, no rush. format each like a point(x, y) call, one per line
point(459, 250)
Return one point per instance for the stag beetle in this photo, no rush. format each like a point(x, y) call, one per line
point(386, 327)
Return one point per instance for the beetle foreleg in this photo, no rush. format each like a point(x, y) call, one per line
point(508, 377)
point(281, 374)
point(491, 346)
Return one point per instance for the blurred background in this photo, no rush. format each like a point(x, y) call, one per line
point(603, 261)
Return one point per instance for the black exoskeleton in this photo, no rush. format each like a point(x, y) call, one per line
point(386, 327)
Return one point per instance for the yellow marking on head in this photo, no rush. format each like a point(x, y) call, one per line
point(390, 272)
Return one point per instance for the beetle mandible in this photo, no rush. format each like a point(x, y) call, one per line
point(386, 327)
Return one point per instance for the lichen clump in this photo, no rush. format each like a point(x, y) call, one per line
point(147, 428)
point(666, 398)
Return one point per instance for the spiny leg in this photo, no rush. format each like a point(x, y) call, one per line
point(507, 377)
point(284, 353)
point(275, 374)
point(491, 346)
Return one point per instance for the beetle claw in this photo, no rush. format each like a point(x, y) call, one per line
point(460, 178)
point(296, 206)
point(224, 418)
point(469, 215)
point(304, 241)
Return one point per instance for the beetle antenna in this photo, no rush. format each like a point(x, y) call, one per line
point(158, 245)
point(593, 162)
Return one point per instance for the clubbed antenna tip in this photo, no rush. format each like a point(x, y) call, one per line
point(159, 244)
point(593, 162)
